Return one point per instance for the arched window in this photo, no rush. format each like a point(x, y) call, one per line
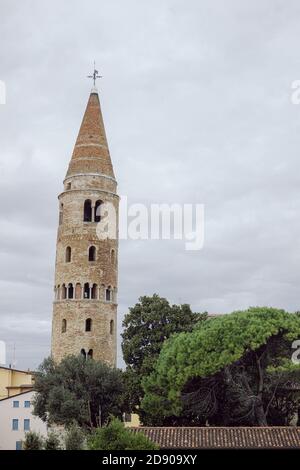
point(58, 292)
point(70, 291)
point(92, 253)
point(63, 292)
point(64, 326)
point(113, 257)
point(94, 291)
point(78, 292)
point(108, 294)
point(68, 254)
point(88, 324)
point(98, 211)
point(61, 213)
point(111, 327)
point(90, 354)
point(86, 290)
point(83, 353)
point(87, 212)
point(68, 186)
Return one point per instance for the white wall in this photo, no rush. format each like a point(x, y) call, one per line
point(8, 437)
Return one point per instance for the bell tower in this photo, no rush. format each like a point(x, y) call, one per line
point(86, 274)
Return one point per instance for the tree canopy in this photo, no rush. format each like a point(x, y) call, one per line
point(147, 325)
point(237, 353)
point(77, 390)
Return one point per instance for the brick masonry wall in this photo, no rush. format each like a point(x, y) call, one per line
point(73, 232)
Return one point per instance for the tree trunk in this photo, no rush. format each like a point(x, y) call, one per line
point(260, 414)
point(259, 409)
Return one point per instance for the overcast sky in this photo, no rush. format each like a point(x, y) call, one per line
point(196, 98)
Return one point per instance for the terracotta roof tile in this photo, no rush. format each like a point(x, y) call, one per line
point(223, 438)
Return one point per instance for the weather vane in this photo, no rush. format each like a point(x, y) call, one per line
point(95, 75)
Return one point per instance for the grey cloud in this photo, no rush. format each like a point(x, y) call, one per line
point(196, 102)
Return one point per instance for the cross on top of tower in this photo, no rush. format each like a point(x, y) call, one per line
point(95, 75)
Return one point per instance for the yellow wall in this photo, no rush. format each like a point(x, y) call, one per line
point(14, 378)
point(134, 423)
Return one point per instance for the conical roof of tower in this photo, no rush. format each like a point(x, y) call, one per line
point(91, 152)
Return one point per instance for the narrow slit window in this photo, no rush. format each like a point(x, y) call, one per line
point(87, 212)
point(68, 254)
point(108, 295)
point(98, 211)
point(61, 214)
point(92, 253)
point(70, 291)
point(94, 291)
point(86, 290)
point(88, 324)
point(113, 257)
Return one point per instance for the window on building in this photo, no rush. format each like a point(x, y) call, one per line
point(26, 424)
point(87, 212)
point(108, 295)
point(98, 211)
point(90, 354)
point(57, 292)
point(68, 186)
point(64, 325)
point(18, 445)
point(92, 253)
point(63, 292)
point(111, 327)
point(15, 404)
point(83, 353)
point(88, 324)
point(61, 214)
point(86, 290)
point(113, 257)
point(68, 254)
point(94, 291)
point(78, 291)
point(15, 424)
point(70, 291)
point(127, 417)
point(26, 404)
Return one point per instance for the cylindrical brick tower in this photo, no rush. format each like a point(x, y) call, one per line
point(86, 277)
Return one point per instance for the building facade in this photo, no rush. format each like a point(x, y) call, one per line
point(14, 381)
point(16, 419)
point(86, 277)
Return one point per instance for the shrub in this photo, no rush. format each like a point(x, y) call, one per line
point(74, 438)
point(116, 437)
point(53, 441)
point(33, 441)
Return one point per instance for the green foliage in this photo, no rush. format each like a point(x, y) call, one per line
point(74, 438)
point(147, 325)
point(285, 402)
point(53, 441)
point(232, 352)
point(116, 437)
point(33, 441)
point(84, 391)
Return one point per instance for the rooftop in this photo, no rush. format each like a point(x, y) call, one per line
point(223, 437)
